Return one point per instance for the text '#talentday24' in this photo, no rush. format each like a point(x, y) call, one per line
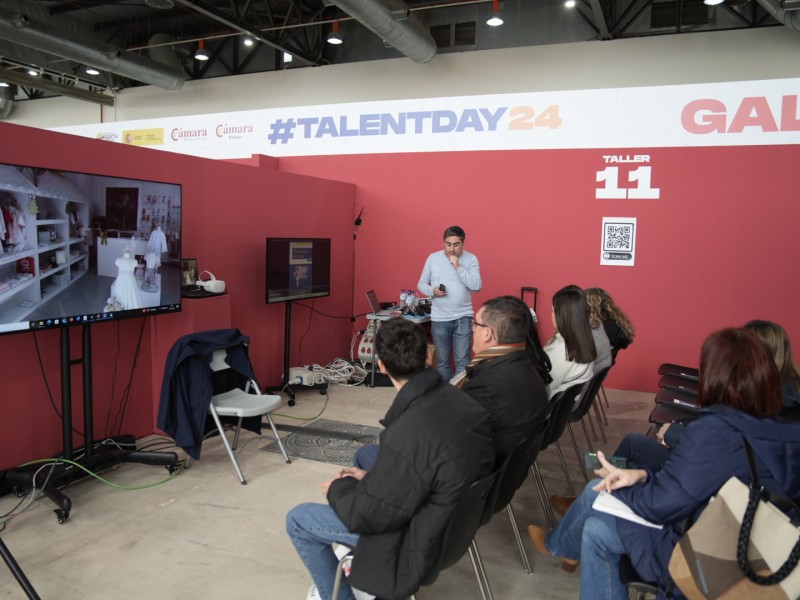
point(518, 118)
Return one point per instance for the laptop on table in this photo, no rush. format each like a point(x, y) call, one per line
point(375, 306)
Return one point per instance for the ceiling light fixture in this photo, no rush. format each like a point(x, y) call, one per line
point(92, 71)
point(3, 84)
point(334, 37)
point(495, 20)
point(33, 72)
point(712, 2)
point(570, 3)
point(248, 41)
point(287, 58)
point(201, 53)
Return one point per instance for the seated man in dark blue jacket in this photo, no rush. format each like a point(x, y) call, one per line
point(437, 442)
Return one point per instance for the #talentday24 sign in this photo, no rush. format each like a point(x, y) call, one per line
point(720, 114)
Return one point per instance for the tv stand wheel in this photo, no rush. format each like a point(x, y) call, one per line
point(61, 516)
point(19, 492)
point(173, 469)
point(291, 402)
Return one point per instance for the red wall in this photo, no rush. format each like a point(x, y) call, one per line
point(228, 211)
point(717, 249)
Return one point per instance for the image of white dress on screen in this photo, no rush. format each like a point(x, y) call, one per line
point(124, 288)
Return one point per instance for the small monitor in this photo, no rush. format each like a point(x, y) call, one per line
point(298, 268)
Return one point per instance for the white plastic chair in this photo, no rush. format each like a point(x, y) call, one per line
point(249, 402)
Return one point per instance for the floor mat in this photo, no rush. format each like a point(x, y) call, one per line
point(326, 441)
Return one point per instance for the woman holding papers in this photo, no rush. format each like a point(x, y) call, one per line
point(740, 391)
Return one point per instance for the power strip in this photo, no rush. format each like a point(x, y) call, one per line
point(305, 376)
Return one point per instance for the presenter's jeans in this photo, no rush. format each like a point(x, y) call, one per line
point(312, 529)
point(453, 340)
point(592, 537)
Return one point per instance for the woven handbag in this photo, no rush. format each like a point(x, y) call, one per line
point(741, 547)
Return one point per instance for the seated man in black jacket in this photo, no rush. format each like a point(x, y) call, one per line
point(437, 442)
point(509, 372)
point(507, 376)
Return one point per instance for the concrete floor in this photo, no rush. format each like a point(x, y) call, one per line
point(203, 535)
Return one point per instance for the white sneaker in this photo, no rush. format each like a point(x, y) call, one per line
point(313, 593)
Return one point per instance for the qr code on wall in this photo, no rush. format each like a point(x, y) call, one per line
point(618, 236)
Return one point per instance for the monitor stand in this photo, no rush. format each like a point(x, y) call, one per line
point(287, 340)
point(91, 458)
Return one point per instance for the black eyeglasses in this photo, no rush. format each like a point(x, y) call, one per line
point(476, 324)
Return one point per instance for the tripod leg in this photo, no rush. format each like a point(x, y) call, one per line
point(17, 571)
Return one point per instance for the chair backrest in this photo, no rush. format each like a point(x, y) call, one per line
point(590, 389)
point(561, 407)
point(461, 528)
point(679, 371)
point(690, 386)
point(511, 474)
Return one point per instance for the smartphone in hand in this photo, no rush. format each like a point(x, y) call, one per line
point(592, 463)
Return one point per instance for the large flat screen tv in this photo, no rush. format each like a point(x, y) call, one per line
point(79, 248)
point(298, 268)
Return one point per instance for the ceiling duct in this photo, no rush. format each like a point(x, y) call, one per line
point(18, 28)
point(790, 18)
point(392, 21)
point(6, 100)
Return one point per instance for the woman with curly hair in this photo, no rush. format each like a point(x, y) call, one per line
point(603, 310)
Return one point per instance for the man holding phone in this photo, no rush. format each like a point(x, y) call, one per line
point(449, 277)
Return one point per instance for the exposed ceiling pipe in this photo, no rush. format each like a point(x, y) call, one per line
point(42, 83)
point(6, 101)
point(394, 23)
point(790, 18)
point(18, 28)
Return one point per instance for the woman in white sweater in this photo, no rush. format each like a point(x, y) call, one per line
point(571, 349)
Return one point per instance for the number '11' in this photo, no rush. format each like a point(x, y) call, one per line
point(611, 190)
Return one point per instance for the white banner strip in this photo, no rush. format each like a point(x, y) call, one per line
point(720, 114)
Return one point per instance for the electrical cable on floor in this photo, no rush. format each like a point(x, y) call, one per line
point(314, 418)
point(102, 479)
point(30, 498)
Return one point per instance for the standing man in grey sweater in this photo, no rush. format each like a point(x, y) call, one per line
point(449, 277)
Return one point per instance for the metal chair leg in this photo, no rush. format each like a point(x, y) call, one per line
point(221, 430)
point(586, 433)
point(599, 420)
point(599, 403)
point(605, 397)
point(278, 438)
point(337, 582)
point(480, 573)
point(522, 554)
point(578, 452)
point(566, 471)
point(542, 491)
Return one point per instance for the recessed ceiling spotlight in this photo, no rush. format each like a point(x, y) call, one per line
point(92, 71)
point(570, 3)
point(712, 2)
point(248, 41)
point(33, 72)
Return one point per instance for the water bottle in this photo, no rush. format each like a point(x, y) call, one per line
point(410, 300)
point(403, 298)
